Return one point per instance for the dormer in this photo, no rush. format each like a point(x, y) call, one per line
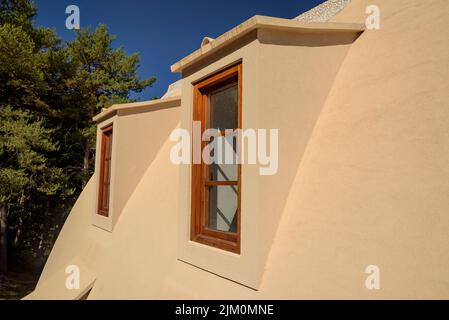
point(266, 74)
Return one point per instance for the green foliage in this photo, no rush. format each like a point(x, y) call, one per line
point(96, 76)
point(49, 92)
point(21, 77)
point(18, 13)
point(103, 75)
point(24, 144)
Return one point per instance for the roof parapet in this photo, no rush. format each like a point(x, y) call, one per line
point(114, 109)
point(263, 22)
point(172, 94)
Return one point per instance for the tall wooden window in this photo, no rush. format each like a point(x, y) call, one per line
point(105, 171)
point(216, 187)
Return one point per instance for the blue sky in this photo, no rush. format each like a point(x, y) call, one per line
point(163, 32)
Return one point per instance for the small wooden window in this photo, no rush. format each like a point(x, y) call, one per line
point(216, 188)
point(105, 171)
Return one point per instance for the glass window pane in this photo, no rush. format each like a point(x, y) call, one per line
point(108, 146)
point(224, 166)
point(223, 108)
point(224, 172)
point(106, 197)
point(106, 174)
point(223, 206)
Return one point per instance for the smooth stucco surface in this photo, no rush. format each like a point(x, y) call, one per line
point(269, 59)
point(367, 184)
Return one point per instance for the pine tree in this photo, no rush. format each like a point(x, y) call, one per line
point(24, 169)
point(24, 140)
point(49, 92)
point(103, 76)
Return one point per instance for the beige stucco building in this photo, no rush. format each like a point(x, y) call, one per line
point(362, 174)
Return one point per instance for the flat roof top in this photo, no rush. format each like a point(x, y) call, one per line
point(258, 22)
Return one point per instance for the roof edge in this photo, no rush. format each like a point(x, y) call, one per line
point(265, 22)
point(112, 110)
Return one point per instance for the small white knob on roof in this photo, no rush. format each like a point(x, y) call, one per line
point(206, 40)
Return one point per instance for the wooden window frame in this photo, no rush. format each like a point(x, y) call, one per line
point(199, 232)
point(102, 188)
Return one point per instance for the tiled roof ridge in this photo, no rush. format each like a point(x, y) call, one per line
point(323, 12)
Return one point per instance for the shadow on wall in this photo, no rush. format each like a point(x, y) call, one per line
point(311, 39)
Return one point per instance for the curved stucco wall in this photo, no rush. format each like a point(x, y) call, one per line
point(371, 189)
point(140, 132)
